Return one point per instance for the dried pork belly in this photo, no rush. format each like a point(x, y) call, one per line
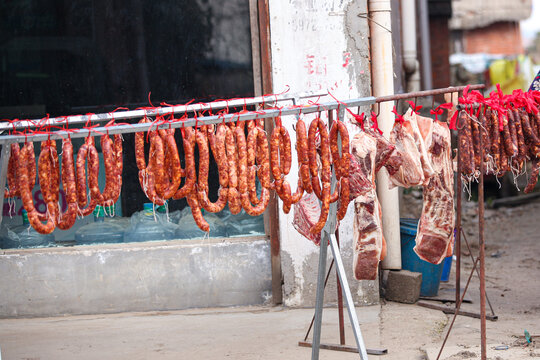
point(306, 214)
point(412, 118)
point(368, 240)
point(410, 172)
point(434, 239)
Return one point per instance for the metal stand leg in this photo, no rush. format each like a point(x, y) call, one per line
point(348, 297)
point(320, 297)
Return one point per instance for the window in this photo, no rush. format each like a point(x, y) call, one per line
point(75, 57)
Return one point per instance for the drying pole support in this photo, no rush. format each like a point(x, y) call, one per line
point(481, 246)
point(457, 245)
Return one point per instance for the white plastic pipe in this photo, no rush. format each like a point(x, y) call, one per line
point(409, 37)
point(382, 80)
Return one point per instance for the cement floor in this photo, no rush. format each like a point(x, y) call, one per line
point(231, 333)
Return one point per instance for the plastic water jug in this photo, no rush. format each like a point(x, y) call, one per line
point(148, 225)
point(24, 236)
point(100, 231)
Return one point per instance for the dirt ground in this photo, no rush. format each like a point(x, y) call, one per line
point(512, 237)
point(407, 331)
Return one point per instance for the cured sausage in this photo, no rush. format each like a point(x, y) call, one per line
point(341, 162)
point(531, 139)
point(507, 139)
point(49, 178)
point(13, 163)
point(467, 162)
point(235, 204)
point(302, 153)
point(217, 145)
point(23, 180)
point(196, 211)
point(522, 149)
point(111, 173)
point(173, 171)
point(475, 134)
point(344, 198)
point(119, 161)
point(326, 171)
point(534, 176)
point(96, 196)
point(188, 139)
point(67, 219)
point(495, 137)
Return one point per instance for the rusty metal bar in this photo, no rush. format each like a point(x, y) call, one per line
point(344, 348)
point(424, 93)
point(451, 310)
point(477, 272)
point(457, 245)
point(456, 310)
point(340, 302)
point(325, 282)
point(481, 245)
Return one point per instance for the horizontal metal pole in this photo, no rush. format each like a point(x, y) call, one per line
point(151, 112)
point(190, 122)
point(416, 94)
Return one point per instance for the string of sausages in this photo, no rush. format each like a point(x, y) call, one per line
point(245, 156)
point(73, 178)
point(509, 127)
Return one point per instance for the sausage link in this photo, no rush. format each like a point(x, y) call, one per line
point(507, 138)
point(326, 173)
point(534, 176)
point(303, 158)
point(173, 169)
point(26, 196)
point(188, 139)
point(465, 144)
point(139, 147)
point(344, 198)
point(275, 154)
point(284, 150)
point(67, 219)
point(234, 197)
point(110, 170)
point(312, 155)
point(82, 155)
point(503, 165)
point(475, 133)
point(119, 161)
point(263, 160)
point(251, 156)
point(13, 163)
point(522, 148)
point(49, 177)
point(486, 132)
point(513, 132)
point(531, 139)
point(495, 137)
point(196, 212)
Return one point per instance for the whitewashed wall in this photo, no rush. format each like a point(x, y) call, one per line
point(318, 45)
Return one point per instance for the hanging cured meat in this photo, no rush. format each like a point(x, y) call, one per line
point(306, 214)
point(411, 172)
point(434, 238)
point(369, 244)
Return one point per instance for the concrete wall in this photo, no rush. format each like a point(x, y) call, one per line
point(133, 277)
point(318, 45)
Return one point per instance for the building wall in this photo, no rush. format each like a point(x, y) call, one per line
point(318, 45)
point(149, 276)
point(440, 51)
point(498, 38)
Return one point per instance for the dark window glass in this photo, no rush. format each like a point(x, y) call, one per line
point(80, 56)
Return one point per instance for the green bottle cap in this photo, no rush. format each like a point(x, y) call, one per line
point(25, 220)
point(98, 211)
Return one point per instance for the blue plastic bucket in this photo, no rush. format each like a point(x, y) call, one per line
point(447, 266)
point(431, 274)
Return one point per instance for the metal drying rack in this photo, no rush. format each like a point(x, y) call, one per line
point(327, 236)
